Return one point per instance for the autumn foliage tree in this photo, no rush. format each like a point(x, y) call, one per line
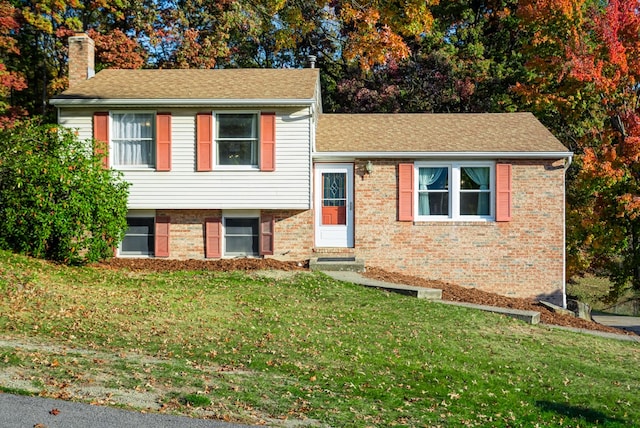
point(10, 81)
point(584, 69)
point(39, 33)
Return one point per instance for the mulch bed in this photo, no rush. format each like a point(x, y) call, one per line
point(450, 291)
point(222, 265)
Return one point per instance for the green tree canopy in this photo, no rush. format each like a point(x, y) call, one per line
point(56, 199)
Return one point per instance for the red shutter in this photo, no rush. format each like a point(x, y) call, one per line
point(405, 192)
point(268, 142)
point(503, 192)
point(163, 142)
point(204, 142)
point(162, 237)
point(213, 238)
point(267, 225)
point(101, 134)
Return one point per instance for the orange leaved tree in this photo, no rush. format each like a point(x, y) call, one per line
point(584, 65)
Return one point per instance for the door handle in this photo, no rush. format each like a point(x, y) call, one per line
point(350, 205)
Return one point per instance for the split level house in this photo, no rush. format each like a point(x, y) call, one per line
point(243, 163)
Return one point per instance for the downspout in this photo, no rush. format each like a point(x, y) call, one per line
point(564, 232)
point(312, 147)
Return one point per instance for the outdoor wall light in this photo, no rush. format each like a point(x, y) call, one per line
point(369, 167)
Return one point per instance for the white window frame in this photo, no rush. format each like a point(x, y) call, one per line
point(455, 171)
point(250, 214)
point(112, 142)
point(139, 214)
point(216, 160)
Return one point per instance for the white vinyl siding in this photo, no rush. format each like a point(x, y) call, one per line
point(80, 120)
point(288, 187)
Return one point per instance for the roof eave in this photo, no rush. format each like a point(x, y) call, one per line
point(442, 155)
point(172, 102)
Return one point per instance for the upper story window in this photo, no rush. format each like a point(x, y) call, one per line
point(133, 139)
point(454, 191)
point(237, 139)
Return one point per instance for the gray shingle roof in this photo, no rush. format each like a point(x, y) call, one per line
point(483, 132)
point(216, 84)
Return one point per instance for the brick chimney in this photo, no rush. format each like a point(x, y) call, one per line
point(81, 59)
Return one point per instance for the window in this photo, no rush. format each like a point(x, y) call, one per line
point(133, 139)
point(241, 236)
point(139, 237)
point(237, 139)
point(433, 191)
point(454, 191)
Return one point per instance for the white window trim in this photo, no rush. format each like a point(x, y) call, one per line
point(137, 214)
point(254, 214)
point(153, 142)
point(454, 168)
point(216, 164)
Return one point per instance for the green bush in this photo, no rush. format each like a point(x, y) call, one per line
point(57, 201)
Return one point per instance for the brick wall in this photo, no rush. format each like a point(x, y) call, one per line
point(520, 258)
point(293, 233)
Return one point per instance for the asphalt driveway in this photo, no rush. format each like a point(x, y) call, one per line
point(29, 412)
point(618, 321)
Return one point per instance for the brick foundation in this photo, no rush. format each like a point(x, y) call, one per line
point(293, 232)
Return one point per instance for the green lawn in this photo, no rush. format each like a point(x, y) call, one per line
point(249, 348)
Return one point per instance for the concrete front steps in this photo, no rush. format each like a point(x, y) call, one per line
point(332, 264)
point(336, 259)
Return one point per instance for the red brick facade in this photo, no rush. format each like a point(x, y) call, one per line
point(520, 258)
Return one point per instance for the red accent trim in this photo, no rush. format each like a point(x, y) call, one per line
point(204, 141)
point(162, 236)
point(268, 142)
point(101, 134)
point(503, 192)
point(163, 141)
point(267, 226)
point(405, 192)
point(213, 237)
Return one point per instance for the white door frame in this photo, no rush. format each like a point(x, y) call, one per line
point(333, 236)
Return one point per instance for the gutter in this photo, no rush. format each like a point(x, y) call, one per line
point(442, 155)
point(173, 102)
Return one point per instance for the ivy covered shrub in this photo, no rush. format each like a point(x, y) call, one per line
point(57, 201)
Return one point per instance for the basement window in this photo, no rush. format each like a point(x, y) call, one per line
point(241, 236)
point(139, 237)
